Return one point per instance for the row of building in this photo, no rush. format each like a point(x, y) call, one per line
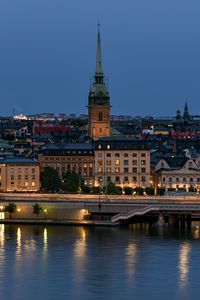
point(121, 160)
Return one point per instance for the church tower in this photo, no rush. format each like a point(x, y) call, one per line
point(98, 101)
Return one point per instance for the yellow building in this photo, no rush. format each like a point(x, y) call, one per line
point(19, 174)
point(98, 102)
point(77, 157)
point(123, 161)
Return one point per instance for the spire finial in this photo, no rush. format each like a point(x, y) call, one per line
point(99, 69)
point(98, 25)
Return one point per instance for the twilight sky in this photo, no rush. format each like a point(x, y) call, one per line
point(151, 55)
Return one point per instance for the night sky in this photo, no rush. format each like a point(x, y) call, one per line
point(150, 49)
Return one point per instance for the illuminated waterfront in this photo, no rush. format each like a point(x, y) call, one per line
point(59, 262)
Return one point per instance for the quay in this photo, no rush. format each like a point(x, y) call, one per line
point(79, 209)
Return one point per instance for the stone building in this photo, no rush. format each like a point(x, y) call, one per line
point(19, 174)
point(123, 161)
point(178, 173)
point(77, 157)
point(98, 101)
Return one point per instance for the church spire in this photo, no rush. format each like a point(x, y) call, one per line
point(186, 116)
point(99, 70)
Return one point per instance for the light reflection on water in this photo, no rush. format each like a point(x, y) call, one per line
point(98, 263)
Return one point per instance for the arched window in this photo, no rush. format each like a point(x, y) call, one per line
point(100, 116)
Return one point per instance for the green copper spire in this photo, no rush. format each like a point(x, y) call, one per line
point(99, 70)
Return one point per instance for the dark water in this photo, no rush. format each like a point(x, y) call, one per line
point(99, 263)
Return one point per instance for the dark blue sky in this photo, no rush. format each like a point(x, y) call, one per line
point(151, 54)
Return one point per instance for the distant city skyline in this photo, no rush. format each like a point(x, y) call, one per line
point(150, 55)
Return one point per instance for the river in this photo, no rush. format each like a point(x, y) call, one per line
point(68, 262)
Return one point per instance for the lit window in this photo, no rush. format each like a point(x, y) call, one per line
point(117, 162)
point(99, 146)
point(108, 162)
point(100, 170)
point(33, 183)
point(108, 146)
point(117, 170)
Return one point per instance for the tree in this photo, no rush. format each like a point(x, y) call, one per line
point(72, 182)
point(50, 180)
point(160, 191)
point(149, 191)
point(37, 209)
point(11, 209)
point(139, 190)
point(112, 189)
point(128, 190)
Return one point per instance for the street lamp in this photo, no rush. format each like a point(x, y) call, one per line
point(45, 213)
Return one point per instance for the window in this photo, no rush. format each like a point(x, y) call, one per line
point(108, 170)
point(134, 154)
point(117, 162)
point(33, 170)
point(126, 179)
point(126, 162)
point(108, 178)
point(125, 154)
point(26, 177)
point(90, 165)
point(143, 170)
point(170, 179)
point(117, 170)
point(191, 179)
point(177, 179)
point(100, 163)
point(117, 179)
point(12, 170)
point(108, 146)
point(134, 178)
point(143, 154)
point(33, 176)
point(108, 154)
point(143, 162)
point(99, 146)
point(100, 179)
point(163, 179)
point(33, 183)
point(26, 183)
point(12, 177)
point(143, 178)
point(134, 162)
point(100, 116)
point(134, 170)
point(100, 170)
point(117, 155)
point(198, 179)
point(184, 179)
point(108, 162)
point(100, 154)
point(125, 170)
point(19, 177)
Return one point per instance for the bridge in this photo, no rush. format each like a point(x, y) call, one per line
point(108, 208)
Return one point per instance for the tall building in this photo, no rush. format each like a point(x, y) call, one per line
point(98, 101)
point(186, 116)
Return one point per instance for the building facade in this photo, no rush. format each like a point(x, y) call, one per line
point(19, 174)
point(123, 161)
point(75, 157)
point(98, 101)
point(176, 173)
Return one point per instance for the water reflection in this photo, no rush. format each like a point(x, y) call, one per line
point(184, 253)
point(45, 242)
point(2, 250)
point(80, 254)
point(131, 253)
point(19, 243)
